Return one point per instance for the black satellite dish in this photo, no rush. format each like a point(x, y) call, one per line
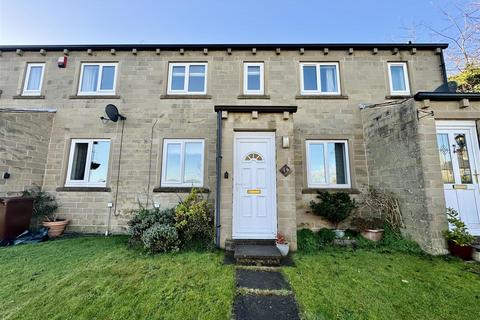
point(113, 114)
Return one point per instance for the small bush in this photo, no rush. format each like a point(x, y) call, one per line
point(160, 238)
point(194, 221)
point(392, 241)
point(325, 237)
point(44, 204)
point(144, 218)
point(335, 207)
point(458, 233)
point(307, 240)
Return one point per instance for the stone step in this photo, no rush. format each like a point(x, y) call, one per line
point(257, 255)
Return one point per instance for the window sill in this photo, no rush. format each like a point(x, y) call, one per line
point(320, 96)
point(94, 97)
point(185, 96)
point(397, 96)
point(29, 97)
point(315, 190)
point(83, 189)
point(253, 96)
point(179, 189)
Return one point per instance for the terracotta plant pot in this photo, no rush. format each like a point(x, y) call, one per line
point(463, 252)
point(373, 234)
point(55, 228)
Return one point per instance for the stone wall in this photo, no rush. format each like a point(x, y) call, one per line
point(402, 157)
point(24, 139)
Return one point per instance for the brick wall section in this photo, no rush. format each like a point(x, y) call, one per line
point(24, 139)
point(402, 157)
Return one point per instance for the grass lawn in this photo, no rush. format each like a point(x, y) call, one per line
point(100, 278)
point(341, 284)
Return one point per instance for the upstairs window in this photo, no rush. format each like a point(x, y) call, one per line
point(182, 164)
point(33, 79)
point(187, 78)
point(253, 78)
point(398, 77)
point(319, 78)
point(97, 79)
point(327, 164)
point(88, 163)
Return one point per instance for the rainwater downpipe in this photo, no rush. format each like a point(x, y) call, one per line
point(218, 169)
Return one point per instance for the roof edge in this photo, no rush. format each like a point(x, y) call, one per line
point(446, 96)
point(218, 46)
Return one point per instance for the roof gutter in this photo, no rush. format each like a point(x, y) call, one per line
point(446, 96)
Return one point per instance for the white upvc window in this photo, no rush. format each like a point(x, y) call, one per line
point(88, 163)
point(321, 78)
point(187, 78)
point(398, 78)
point(33, 79)
point(182, 164)
point(97, 79)
point(253, 78)
point(328, 164)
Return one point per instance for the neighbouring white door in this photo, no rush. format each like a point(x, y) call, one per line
point(254, 186)
point(459, 159)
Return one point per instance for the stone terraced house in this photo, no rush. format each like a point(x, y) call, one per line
point(259, 128)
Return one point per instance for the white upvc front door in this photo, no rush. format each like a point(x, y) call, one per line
point(254, 186)
point(459, 159)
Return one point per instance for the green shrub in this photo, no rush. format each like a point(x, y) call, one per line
point(335, 207)
point(458, 233)
point(325, 237)
point(144, 218)
point(160, 238)
point(392, 241)
point(307, 240)
point(44, 204)
point(194, 221)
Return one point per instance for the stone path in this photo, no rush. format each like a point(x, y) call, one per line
point(263, 293)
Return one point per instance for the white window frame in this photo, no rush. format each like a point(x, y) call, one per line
point(327, 173)
point(245, 77)
point(187, 77)
point(85, 183)
point(405, 78)
point(25, 91)
point(99, 79)
point(317, 66)
point(182, 143)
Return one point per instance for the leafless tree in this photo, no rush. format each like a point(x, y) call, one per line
point(462, 32)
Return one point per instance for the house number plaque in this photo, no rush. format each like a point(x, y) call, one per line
point(285, 170)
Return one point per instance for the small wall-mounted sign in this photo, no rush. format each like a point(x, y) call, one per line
point(254, 191)
point(285, 170)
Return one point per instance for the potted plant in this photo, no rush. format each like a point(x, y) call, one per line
point(335, 207)
point(370, 228)
point(282, 244)
point(45, 206)
point(458, 239)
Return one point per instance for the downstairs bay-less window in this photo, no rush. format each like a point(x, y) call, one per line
point(88, 163)
point(327, 164)
point(97, 79)
point(182, 164)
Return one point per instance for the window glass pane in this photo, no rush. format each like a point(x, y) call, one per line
point(196, 80)
point(89, 79)
point(108, 77)
point(445, 158)
point(79, 161)
point(172, 172)
point(336, 163)
point(34, 78)
point(253, 78)
point(317, 163)
point(328, 78)
point(99, 162)
point(398, 78)
point(193, 162)
point(463, 158)
point(178, 78)
point(310, 78)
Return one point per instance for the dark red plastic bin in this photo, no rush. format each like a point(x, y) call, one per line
point(15, 216)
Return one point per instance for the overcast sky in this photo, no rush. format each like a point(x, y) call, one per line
point(227, 21)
